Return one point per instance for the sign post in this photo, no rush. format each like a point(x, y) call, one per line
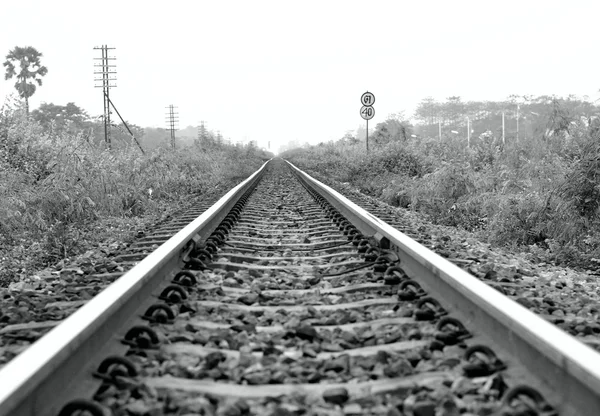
point(367, 111)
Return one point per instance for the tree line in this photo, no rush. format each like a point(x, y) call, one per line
point(516, 118)
point(24, 65)
point(524, 115)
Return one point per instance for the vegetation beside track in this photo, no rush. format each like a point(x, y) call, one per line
point(540, 194)
point(62, 194)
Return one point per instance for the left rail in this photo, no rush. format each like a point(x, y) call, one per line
point(28, 383)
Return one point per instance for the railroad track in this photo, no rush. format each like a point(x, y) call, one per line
point(27, 316)
point(285, 299)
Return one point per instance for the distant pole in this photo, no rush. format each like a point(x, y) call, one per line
point(468, 132)
point(517, 123)
point(440, 129)
point(202, 134)
point(503, 142)
point(171, 122)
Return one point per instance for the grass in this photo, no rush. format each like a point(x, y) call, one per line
point(541, 194)
point(60, 193)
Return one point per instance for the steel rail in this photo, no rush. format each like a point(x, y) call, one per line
point(43, 378)
point(567, 371)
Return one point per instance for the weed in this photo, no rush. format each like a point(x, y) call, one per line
point(541, 192)
point(54, 184)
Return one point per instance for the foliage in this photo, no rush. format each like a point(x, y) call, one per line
point(61, 117)
point(54, 183)
point(582, 184)
point(535, 115)
point(541, 191)
point(28, 59)
point(57, 119)
point(392, 130)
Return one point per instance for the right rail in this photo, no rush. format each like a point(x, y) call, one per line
point(568, 370)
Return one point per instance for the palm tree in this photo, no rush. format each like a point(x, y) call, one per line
point(28, 59)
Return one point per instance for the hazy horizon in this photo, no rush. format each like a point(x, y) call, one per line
point(273, 71)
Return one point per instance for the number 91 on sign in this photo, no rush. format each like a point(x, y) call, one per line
point(367, 98)
point(367, 112)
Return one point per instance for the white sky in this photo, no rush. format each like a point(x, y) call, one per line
point(282, 70)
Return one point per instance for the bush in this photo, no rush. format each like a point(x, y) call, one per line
point(517, 219)
point(543, 191)
point(53, 185)
point(582, 184)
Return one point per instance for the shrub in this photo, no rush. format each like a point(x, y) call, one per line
point(516, 219)
point(53, 185)
point(441, 192)
point(582, 184)
point(542, 191)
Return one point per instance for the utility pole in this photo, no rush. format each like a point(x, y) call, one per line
point(468, 132)
point(202, 133)
point(503, 142)
point(517, 123)
point(440, 129)
point(171, 123)
point(106, 70)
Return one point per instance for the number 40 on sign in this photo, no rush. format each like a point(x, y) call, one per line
point(367, 100)
point(367, 112)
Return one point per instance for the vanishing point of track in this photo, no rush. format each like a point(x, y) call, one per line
point(284, 298)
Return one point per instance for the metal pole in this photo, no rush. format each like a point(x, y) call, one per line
point(503, 142)
point(202, 133)
point(517, 123)
point(367, 136)
point(105, 81)
point(105, 88)
point(125, 124)
point(468, 132)
point(172, 127)
point(109, 141)
point(171, 122)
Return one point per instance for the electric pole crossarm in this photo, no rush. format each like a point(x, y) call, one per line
point(171, 121)
point(107, 82)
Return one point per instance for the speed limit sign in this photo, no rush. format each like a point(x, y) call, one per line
point(367, 112)
point(367, 98)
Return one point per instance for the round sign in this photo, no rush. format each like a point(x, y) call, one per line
point(367, 112)
point(367, 98)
